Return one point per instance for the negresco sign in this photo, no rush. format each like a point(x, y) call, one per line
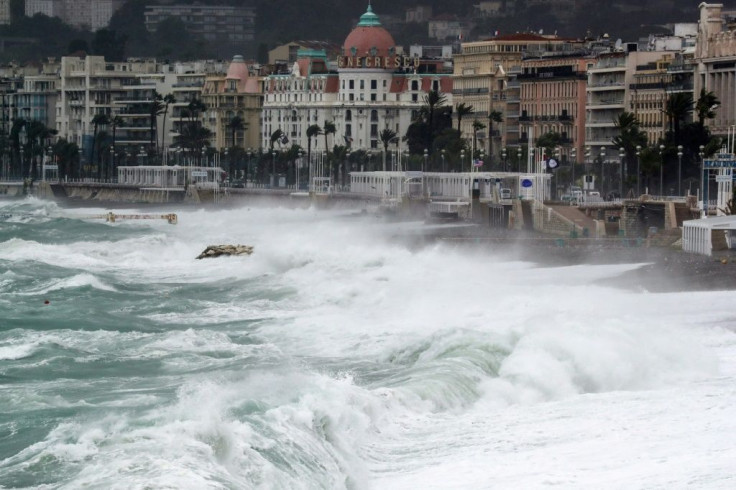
point(377, 62)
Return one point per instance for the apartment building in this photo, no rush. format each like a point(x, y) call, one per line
point(237, 93)
point(628, 80)
point(90, 86)
point(553, 98)
point(5, 12)
point(49, 8)
point(652, 85)
point(715, 62)
point(90, 14)
point(222, 23)
point(485, 77)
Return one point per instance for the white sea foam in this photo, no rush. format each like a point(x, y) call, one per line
point(384, 367)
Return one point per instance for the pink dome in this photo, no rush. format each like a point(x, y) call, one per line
point(369, 38)
point(238, 69)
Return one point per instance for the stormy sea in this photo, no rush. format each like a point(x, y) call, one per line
point(341, 355)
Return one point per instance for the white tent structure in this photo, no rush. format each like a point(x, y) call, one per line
point(704, 235)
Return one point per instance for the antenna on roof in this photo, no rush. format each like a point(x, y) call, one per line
point(617, 46)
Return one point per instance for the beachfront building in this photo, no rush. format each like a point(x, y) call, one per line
point(485, 78)
point(236, 94)
point(626, 79)
point(553, 96)
point(715, 61)
point(371, 87)
point(90, 86)
point(652, 85)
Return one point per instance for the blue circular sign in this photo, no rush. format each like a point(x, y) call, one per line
point(526, 183)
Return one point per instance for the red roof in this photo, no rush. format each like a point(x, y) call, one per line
point(365, 38)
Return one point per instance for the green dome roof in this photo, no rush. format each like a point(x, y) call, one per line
point(369, 19)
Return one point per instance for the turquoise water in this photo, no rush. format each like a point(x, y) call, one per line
point(337, 357)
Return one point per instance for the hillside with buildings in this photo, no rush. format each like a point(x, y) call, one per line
point(594, 102)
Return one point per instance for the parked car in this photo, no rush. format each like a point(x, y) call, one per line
point(239, 183)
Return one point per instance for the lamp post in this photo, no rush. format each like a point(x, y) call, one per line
point(426, 155)
point(248, 176)
point(462, 159)
point(519, 153)
point(638, 170)
point(603, 157)
point(112, 162)
point(22, 139)
point(679, 170)
point(573, 157)
point(621, 155)
point(703, 181)
point(503, 158)
point(661, 170)
point(442, 153)
point(273, 168)
point(298, 168)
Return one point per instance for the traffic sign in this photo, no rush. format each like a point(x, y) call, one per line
point(724, 178)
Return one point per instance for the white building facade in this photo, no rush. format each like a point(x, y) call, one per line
point(371, 87)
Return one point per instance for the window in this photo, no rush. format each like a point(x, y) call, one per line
point(373, 97)
point(348, 115)
point(351, 84)
point(362, 84)
point(414, 85)
point(374, 84)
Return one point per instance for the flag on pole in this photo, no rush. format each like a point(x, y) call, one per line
point(477, 163)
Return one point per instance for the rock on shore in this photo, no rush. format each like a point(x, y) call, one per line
point(218, 250)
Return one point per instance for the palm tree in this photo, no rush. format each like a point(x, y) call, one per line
point(168, 100)
point(97, 120)
point(329, 128)
point(705, 106)
point(497, 117)
point(312, 132)
point(236, 124)
point(432, 101)
point(477, 126)
point(115, 122)
point(276, 136)
point(191, 134)
point(155, 109)
point(677, 108)
point(387, 136)
point(38, 133)
point(630, 135)
point(462, 110)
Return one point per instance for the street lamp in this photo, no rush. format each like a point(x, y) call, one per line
point(426, 155)
point(112, 162)
point(638, 170)
point(661, 170)
point(519, 153)
point(573, 157)
point(603, 157)
point(248, 177)
point(298, 167)
point(462, 159)
point(443, 159)
point(621, 155)
point(703, 180)
point(273, 168)
point(503, 157)
point(679, 170)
